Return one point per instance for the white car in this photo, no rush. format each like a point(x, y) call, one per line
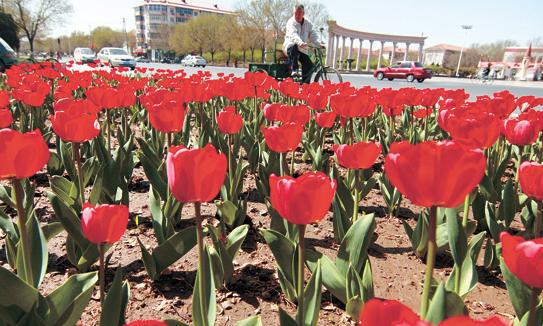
point(194, 61)
point(84, 55)
point(116, 57)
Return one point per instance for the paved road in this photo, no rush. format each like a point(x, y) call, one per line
point(473, 88)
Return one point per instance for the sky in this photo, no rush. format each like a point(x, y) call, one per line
point(439, 20)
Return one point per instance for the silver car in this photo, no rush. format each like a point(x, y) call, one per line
point(194, 61)
point(116, 57)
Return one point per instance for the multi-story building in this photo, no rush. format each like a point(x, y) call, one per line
point(441, 54)
point(154, 19)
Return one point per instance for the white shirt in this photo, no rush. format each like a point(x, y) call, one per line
point(297, 33)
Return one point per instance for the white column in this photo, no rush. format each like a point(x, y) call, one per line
point(336, 41)
point(406, 51)
point(380, 55)
point(358, 55)
point(329, 48)
point(341, 53)
point(368, 61)
point(393, 53)
point(350, 50)
point(419, 57)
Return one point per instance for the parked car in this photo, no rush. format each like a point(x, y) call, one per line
point(409, 70)
point(165, 60)
point(194, 61)
point(116, 57)
point(7, 56)
point(84, 55)
point(142, 59)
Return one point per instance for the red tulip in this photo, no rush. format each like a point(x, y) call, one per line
point(77, 122)
point(434, 173)
point(229, 121)
point(147, 323)
point(22, 154)
point(302, 200)
point(467, 321)
point(473, 128)
point(4, 99)
point(524, 258)
point(325, 119)
point(283, 138)
point(530, 176)
point(361, 155)
point(167, 116)
point(104, 223)
point(388, 313)
point(195, 175)
point(6, 119)
point(520, 132)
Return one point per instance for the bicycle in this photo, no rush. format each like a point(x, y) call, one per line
point(482, 78)
point(319, 72)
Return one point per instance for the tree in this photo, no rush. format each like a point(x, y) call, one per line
point(103, 36)
point(230, 35)
point(9, 30)
point(493, 51)
point(36, 17)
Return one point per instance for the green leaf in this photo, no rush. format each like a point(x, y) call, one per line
point(50, 230)
point(227, 210)
point(113, 310)
point(458, 242)
point(367, 282)
point(332, 278)
point(148, 262)
point(66, 190)
point(203, 297)
point(509, 202)
point(519, 293)
point(7, 225)
point(251, 321)
point(68, 301)
point(353, 307)
point(285, 319)
point(312, 297)
point(444, 305)
point(16, 292)
point(283, 250)
point(69, 219)
point(354, 247)
point(156, 214)
point(490, 217)
point(174, 248)
point(235, 240)
point(38, 253)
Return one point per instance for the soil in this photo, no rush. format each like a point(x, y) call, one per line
point(255, 290)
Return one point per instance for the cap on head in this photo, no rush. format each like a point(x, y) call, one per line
point(299, 7)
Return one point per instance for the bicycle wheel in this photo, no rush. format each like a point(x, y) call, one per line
point(329, 74)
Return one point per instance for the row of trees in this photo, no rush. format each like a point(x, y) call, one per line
point(256, 25)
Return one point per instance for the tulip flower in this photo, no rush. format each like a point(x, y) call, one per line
point(229, 121)
point(524, 260)
point(467, 321)
point(531, 180)
point(102, 225)
point(6, 119)
point(283, 138)
point(474, 129)
point(22, 156)
point(361, 155)
point(4, 99)
point(325, 119)
point(167, 116)
point(520, 132)
point(196, 175)
point(388, 313)
point(433, 174)
point(75, 124)
point(302, 201)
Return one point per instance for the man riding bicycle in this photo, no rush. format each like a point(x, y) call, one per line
point(299, 36)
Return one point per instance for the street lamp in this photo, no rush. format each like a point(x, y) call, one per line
point(466, 28)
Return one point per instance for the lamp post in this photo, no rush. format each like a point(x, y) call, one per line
point(466, 28)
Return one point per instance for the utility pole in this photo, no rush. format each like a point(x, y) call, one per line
point(125, 37)
point(465, 28)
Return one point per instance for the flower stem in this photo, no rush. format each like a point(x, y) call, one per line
point(356, 196)
point(201, 253)
point(466, 212)
point(301, 265)
point(27, 263)
point(430, 261)
point(534, 302)
point(108, 126)
point(77, 158)
point(292, 164)
point(520, 154)
point(537, 221)
point(102, 272)
point(282, 164)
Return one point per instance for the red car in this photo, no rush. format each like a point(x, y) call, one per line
point(409, 70)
